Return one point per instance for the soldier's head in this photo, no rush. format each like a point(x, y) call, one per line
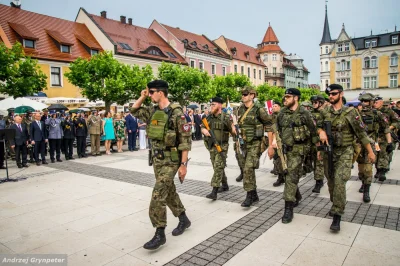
point(37, 116)
point(366, 99)
point(378, 102)
point(248, 94)
point(216, 105)
point(28, 114)
point(335, 93)
point(292, 97)
point(307, 105)
point(18, 119)
point(276, 107)
point(45, 111)
point(158, 90)
point(317, 101)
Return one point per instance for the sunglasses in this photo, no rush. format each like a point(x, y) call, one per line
point(364, 101)
point(333, 93)
point(315, 102)
point(151, 92)
point(245, 94)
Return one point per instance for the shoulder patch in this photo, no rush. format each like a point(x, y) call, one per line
point(186, 127)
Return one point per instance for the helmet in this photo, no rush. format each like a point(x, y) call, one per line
point(306, 104)
point(366, 97)
point(317, 98)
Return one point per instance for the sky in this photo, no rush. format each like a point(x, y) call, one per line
point(298, 24)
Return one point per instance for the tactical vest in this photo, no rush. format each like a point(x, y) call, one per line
point(341, 131)
point(250, 127)
point(369, 117)
point(292, 126)
point(217, 125)
point(316, 115)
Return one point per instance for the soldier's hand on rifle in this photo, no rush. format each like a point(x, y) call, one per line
point(323, 137)
point(271, 152)
point(371, 157)
point(205, 132)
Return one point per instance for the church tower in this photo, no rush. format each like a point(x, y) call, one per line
point(326, 46)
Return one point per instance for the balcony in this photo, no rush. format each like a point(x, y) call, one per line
point(275, 75)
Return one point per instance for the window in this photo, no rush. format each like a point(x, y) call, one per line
point(395, 39)
point(298, 73)
point(343, 65)
point(29, 43)
point(254, 73)
point(223, 71)
point(340, 48)
point(338, 66)
point(367, 44)
point(259, 73)
point(171, 55)
point(266, 71)
point(348, 65)
point(154, 52)
point(274, 82)
point(192, 64)
point(213, 69)
point(235, 68)
point(125, 46)
point(366, 83)
point(366, 62)
point(65, 48)
point(274, 70)
point(320, 69)
point(248, 72)
point(298, 84)
point(55, 76)
point(373, 43)
point(347, 46)
point(393, 81)
point(373, 62)
point(321, 53)
point(326, 66)
point(94, 52)
point(348, 84)
point(274, 57)
point(242, 70)
point(266, 58)
point(373, 82)
point(326, 49)
point(394, 59)
point(201, 66)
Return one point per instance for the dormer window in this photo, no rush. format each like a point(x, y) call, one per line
point(65, 48)
point(29, 43)
point(373, 43)
point(395, 39)
point(94, 52)
point(347, 46)
point(153, 52)
point(194, 44)
point(205, 47)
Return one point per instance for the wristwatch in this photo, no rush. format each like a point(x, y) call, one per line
point(185, 163)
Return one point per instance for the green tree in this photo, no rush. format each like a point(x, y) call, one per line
point(102, 77)
point(229, 86)
point(266, 92)
point(20, 75)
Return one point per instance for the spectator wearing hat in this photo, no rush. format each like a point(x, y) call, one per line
point(68, 127)
point(55, 135)
point(131, 128)
point(95, 126)
point(38, 136)
point(81, 132)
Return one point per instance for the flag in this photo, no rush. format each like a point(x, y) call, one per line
point(228, 107)
point(268, 106)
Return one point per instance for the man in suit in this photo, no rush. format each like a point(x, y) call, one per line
point(20, 142)
point(81, 133)
point(131, 127)
point(69, 136)
point(94, 125)
point(39, 138)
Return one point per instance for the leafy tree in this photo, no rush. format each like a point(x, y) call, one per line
point(102, 77)
point(230, 86)
point(20, 75)
point(267, 92)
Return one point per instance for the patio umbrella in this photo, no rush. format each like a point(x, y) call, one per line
point(3, 112)
point(193, 106)
point(23, 109)
point(84, 109)
point(57, 107)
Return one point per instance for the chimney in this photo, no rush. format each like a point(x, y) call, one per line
point(123, 19)
point(16, 4)
point(129, 21)
point(103, 14)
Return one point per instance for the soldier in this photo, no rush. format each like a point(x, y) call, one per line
point(308, 162)
point(276, 108)
point(239, 158)
point(296, 128)
point(221, 125)
point(251, 120)
point(376, 123)
point(346, 124)
point(386, 149)
point(80, 133)
point(94, 125)
point(318, 103)
point(170, 136)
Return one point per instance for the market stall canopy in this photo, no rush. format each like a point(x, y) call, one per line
point(13, 103)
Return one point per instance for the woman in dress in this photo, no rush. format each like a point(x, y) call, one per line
point(119, 127)
point(108, 129)
point(193, 128)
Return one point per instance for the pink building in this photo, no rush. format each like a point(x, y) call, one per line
point(198, 50)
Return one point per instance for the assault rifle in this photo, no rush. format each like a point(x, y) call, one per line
point(213, 140)
point(328, 148)
point(281, 152)
point(240, 149)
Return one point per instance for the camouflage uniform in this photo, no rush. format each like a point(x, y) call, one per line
point(308, 159)
point(177, 136)
point(277, 160)
point(238, 157)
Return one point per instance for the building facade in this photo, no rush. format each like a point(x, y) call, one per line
point(301, 75)
point(290, 73)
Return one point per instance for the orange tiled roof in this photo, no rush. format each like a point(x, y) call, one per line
point(270, 35)
point(18, 24)
point(196, 42)
point(270, 48)
point(241, 52)
point(139, 39)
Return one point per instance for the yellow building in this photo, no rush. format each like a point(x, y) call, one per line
point(54, 42)
point(362, 63)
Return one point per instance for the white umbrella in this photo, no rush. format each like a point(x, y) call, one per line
point(12, 103)
point(3, 112)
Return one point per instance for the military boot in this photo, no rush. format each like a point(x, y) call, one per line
point(223, 188)
point(361, 190)
point(366, 197)
point(249, 199)
point(382, 177)
point(240, 177)
point(318, 185)
point(288, 214)
point(184, 223)
point(279, 181)
point(298, 198)
point(213, 194)
point(158, 239)
point(378, 173)
point(335, 226)
point(255, 196)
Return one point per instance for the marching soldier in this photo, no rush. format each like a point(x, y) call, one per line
point(346, 124)
point(296, 128)
point(220, 126)
point(376, 123)
point(236, 147)
point(277, 160)
point(170, 136)
point(251, 120)
point(308, 162)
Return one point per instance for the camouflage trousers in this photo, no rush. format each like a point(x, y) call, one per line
point(308, 160)
point(295, 160)
point(364, 167)
point(318, 165)
point(277, 163)
point(218, 163)
point(164, 192)
point(251, 163)
point(239, 157)
point(342, 161)
point(383, 158)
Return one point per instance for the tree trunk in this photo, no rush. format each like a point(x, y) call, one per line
point(108, 105)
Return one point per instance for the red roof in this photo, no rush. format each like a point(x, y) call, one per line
point(242, 50)
point(195, 42)
point(140, 40)
point(270, 35)
point(48, 32)
point(269, 48)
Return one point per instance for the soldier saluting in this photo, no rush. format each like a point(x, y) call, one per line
point(346, 124)
point(170, 145)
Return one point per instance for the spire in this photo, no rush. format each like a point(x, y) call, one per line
point(326, 36)
point(270, 35)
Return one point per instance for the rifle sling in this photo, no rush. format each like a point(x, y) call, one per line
point(245, 114)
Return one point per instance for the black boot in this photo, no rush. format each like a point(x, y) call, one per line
point(223, 188)
point(335, 226)
point(249, 199)
point(288, 214)
point(298, 198)
point(213, 194)
point(361, 190)
point(184, 223)
point(240, 177)
point(318, 185)
point(366, 197)
point(382, 176)
point(279, 181)
point(377, 174)
point(255, 196)
point(158, 240)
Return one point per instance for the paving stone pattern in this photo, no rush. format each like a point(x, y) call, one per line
point(375, 180)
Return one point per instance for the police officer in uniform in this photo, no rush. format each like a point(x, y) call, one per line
point(221, 125)
point(346, 125)
point(375, 122)
point(81, 132)
point(170, 137)
point(296, 129)
point(251, 120)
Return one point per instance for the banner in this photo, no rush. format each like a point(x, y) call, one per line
point(268, 106)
